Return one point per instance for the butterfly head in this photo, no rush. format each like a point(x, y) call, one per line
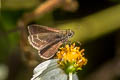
point(70, 33)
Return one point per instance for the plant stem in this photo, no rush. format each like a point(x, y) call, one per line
point(96, 25)
point(70, 76)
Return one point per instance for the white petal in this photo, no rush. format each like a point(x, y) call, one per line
point(50, 70)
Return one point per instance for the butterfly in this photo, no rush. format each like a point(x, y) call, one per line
point(47, 40)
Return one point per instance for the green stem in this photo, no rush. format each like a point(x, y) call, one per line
point(70, 76)
point(95, 25)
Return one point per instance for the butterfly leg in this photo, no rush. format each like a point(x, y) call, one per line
point(69, 42)
point(79, 43)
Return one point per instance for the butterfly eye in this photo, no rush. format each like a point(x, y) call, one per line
point(69, 34)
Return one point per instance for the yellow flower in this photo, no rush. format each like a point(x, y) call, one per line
point(71, 58)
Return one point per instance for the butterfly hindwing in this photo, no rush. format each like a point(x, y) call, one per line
point(50, 50)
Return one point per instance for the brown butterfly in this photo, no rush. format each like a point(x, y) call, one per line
point(47, 40)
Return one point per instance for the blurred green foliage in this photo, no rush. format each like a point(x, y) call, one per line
point(8, 41)
point(19, 4)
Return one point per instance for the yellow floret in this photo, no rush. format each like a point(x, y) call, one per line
point(70, 54)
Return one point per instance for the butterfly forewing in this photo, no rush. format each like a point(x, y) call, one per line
point(35, 42)
point(35, 29)
point(41, 40)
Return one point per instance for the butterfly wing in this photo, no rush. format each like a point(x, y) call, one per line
point(46, 40)
point(50, 50)
point(35, 29)
point(41, 40)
